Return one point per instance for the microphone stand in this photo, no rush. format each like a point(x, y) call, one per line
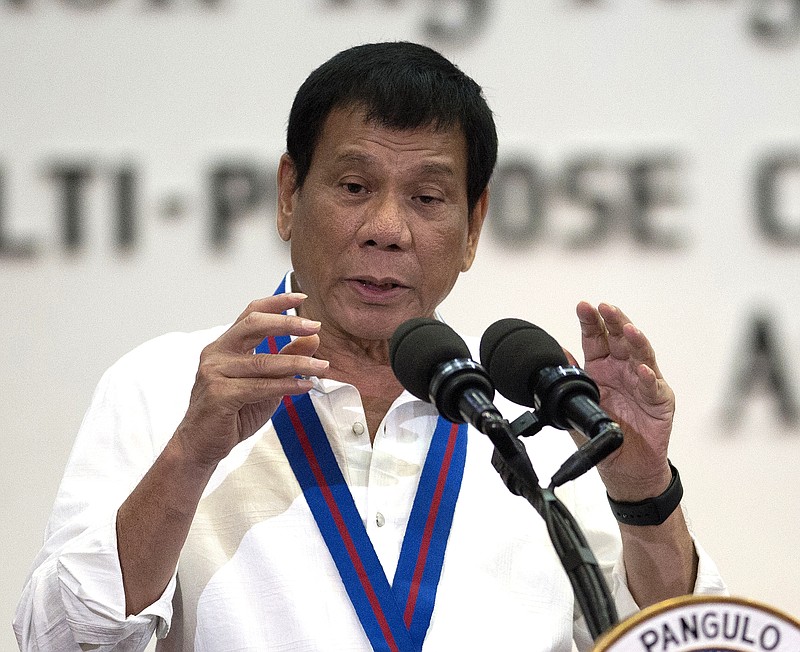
point(511, 461)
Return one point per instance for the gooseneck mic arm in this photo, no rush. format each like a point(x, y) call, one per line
point(576, 557)
point(530, 368)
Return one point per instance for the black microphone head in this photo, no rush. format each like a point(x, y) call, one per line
point(514, 351)
point(418, 347)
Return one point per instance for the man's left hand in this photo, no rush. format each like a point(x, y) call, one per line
point(620, 359)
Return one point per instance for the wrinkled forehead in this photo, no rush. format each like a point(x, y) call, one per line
point(346, 130)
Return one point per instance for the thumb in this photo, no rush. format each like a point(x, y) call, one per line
point(304, 345)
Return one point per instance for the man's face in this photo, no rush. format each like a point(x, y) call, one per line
point(380, 229)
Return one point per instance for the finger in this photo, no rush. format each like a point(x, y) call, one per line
point(594, 337)
point(267, 365)
point(240, 391)
point(648, 382)
point(614, 321)
point(251, 330)
point(303, 345)
point(276, 303)
point(626, 341)
point(654, 389)
point(641, 352)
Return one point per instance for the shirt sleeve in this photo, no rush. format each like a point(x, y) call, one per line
point(586, 499)
point(708, 581)
point(74, 597)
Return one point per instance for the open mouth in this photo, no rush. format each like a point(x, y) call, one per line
point(379, 286)
point(378, 289)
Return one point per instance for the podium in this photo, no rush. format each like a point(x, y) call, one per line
point(704, 624)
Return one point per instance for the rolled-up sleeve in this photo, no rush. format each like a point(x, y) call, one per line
point(74, 597)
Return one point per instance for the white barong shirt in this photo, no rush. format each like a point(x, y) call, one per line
point(255, 573)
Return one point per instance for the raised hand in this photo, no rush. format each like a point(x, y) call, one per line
point(237, 391)
point(620, 359)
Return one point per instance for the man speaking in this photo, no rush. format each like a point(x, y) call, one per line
point(269, 485)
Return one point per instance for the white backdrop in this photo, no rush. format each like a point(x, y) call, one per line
point(162, 94)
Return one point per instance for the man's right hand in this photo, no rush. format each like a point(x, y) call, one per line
point(236, 391)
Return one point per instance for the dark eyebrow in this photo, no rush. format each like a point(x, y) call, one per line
point(438, 169)
point(355, 157)
point(431, 168)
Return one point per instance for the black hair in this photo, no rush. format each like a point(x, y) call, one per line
point(399, 85)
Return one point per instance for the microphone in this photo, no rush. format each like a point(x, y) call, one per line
point(529, 367)
point(433, 363)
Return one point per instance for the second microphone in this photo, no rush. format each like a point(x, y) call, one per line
point(529, 367)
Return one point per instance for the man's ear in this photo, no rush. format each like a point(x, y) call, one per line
point(287, 184)
point(474, 227)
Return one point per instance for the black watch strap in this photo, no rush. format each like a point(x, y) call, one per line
point(653, 511)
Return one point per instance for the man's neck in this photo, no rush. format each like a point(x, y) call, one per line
point(365, 365)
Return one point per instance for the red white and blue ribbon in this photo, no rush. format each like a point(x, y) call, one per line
point(395, 617)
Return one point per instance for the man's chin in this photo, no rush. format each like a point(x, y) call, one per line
point(380, 325)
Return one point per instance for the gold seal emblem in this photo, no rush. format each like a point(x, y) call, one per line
point(704, 624)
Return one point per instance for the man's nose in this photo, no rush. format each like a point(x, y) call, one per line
point(386, 224)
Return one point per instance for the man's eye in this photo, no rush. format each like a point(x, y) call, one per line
point(353, 188)
point(427, 199)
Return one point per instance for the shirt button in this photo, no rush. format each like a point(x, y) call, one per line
point(358, 428)
point(380, 521)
